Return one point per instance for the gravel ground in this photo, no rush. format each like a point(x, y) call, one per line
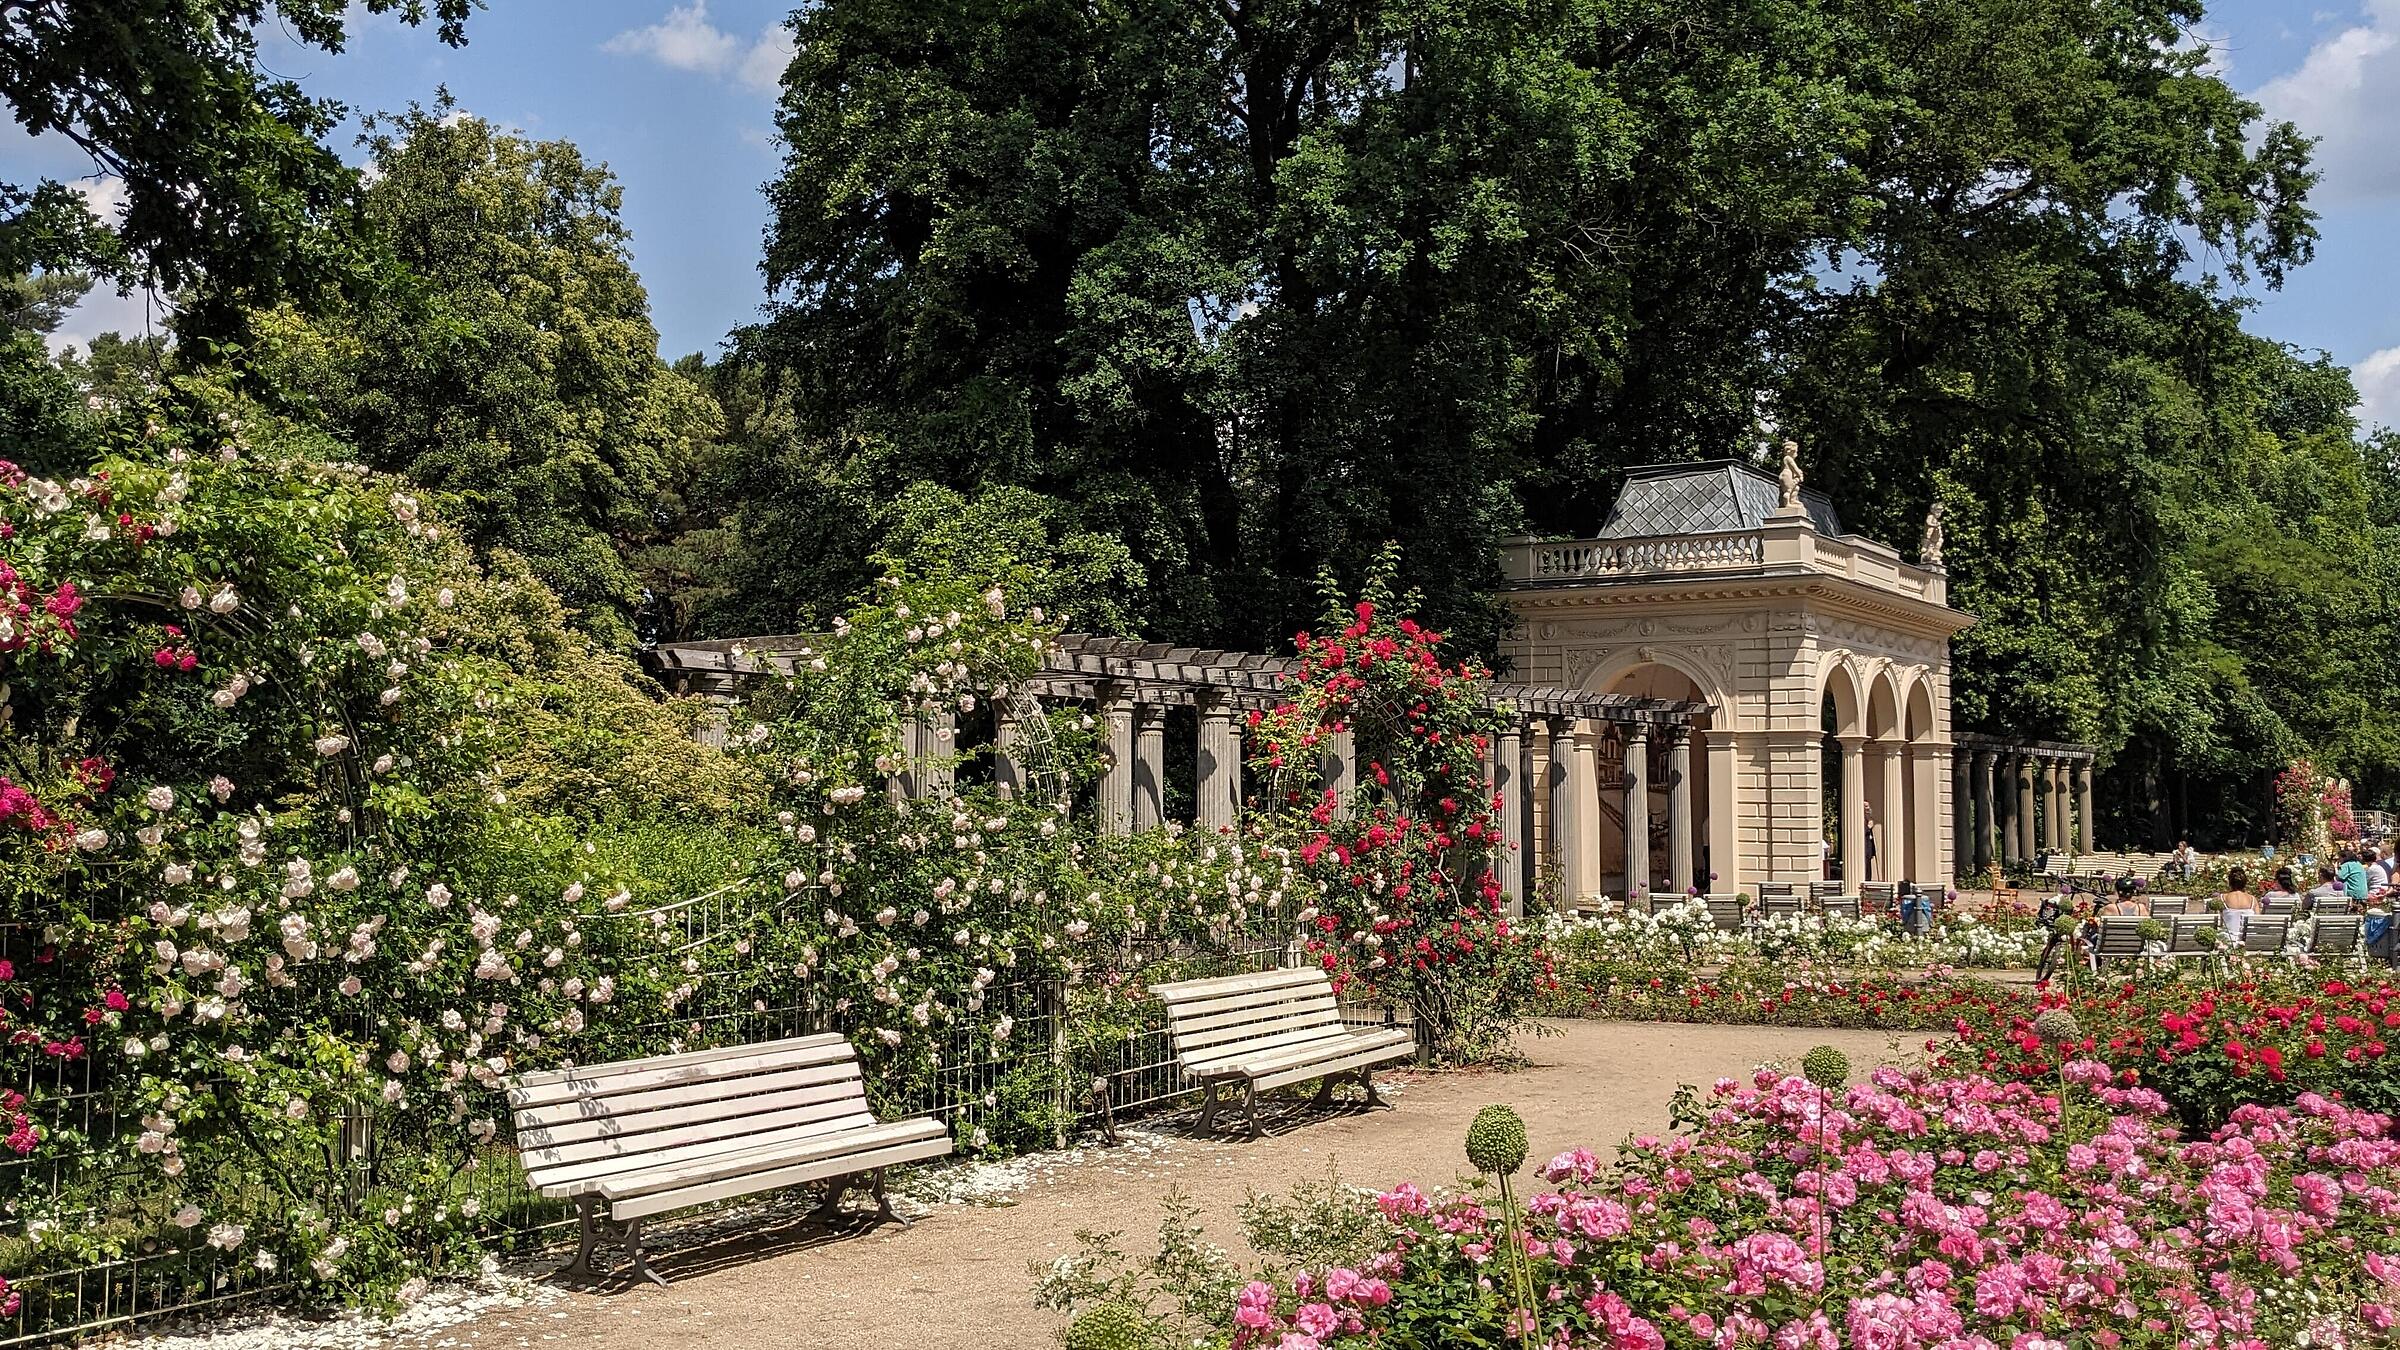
point(759, 1278)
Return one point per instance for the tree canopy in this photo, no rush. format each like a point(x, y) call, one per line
point(505, 358)
point(1257, 287)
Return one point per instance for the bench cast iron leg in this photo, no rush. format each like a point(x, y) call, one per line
point(641, 1254)
point(1366, 1079)
point(587, 1235)
point(829, 1210)
point(1324, 1097)
point(1250, 1103)
point(883, 1201)
point(1208, 1106)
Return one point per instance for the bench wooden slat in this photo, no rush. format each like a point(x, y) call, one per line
point(1349, 1042)
point(679, 1071)
point(1184, 991)
point(1208, 1004)
point(893, 1155)
point(561, 1127)
point(545, 1077)
point(732, 1091)
point(1260, 1045)
point(626, 1149)
point(1186, 1023)
point(730, 1155)
point(1358, 1059)
point(1269, 1023)
point(1222, 1059)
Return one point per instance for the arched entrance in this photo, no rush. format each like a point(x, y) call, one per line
point(1656, 680)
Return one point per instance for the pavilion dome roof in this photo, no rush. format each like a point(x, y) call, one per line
point(1706, 497)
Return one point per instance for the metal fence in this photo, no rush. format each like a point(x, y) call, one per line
point(169, 1270)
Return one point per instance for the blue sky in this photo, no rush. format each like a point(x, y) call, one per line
point(677, 96)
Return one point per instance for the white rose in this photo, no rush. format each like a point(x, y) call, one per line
point(224, 601)
point(331, 745)
point(159, 798)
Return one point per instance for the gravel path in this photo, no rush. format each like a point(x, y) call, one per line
point(957, 1279)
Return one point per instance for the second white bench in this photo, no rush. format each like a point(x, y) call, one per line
point(1255, 1033)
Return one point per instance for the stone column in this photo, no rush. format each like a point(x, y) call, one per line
point(1637, 809)
point(1337, 762)
point(1589, 813)
point(938, 771)
point(1008, 732)
point(1508, 788)
point(2022, 769)
point(1891, 848)
point(1149, 766)
point(2053, 805)
point(1962, 812)
point(1679, 809)
point(2087, 837)
point(1987, 816)
point(1854, 815)
point(1722, 863)
point(1220, 767)
point(1116, 778)
point(1566, 824)
point(2061, 839)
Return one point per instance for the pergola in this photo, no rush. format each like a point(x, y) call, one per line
point(1130, 687)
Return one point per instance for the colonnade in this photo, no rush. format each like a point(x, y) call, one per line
point(2022, 802)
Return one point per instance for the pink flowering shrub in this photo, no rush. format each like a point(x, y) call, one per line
point(1910, 1212)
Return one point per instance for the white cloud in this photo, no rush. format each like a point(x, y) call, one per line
point(686, 40)
point(2378, 381)
point(2347, 92)
point(105, 311)
point(763, 68)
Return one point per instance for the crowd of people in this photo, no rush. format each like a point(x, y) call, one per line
point(2353, 881)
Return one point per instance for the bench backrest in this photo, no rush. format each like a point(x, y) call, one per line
point(1778, 906)
point(2120, 935)
point(1214, 1020)
point(2266, 933)
point(2335, 935)
point(2279, 903)
point(604, 1120)
point(2162, 906)
point(2183, 934)
point(1767, 888)
point(1841, 906)
point(1725, 911)
point(1878, 894)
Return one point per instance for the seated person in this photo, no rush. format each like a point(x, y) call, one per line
point(2236, 905)
point(2328, 896)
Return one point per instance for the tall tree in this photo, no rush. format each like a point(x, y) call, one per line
point(229, 192)
point(506, 357)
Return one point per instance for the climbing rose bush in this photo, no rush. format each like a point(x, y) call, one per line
point(1412, 910)
point(1909, 1212)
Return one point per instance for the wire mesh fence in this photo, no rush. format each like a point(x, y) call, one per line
point(1075, 1051)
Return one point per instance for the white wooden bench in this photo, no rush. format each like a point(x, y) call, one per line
point(645, 1136)
point(1256, 1033)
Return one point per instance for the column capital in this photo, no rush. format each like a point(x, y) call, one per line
point(1149, 716)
